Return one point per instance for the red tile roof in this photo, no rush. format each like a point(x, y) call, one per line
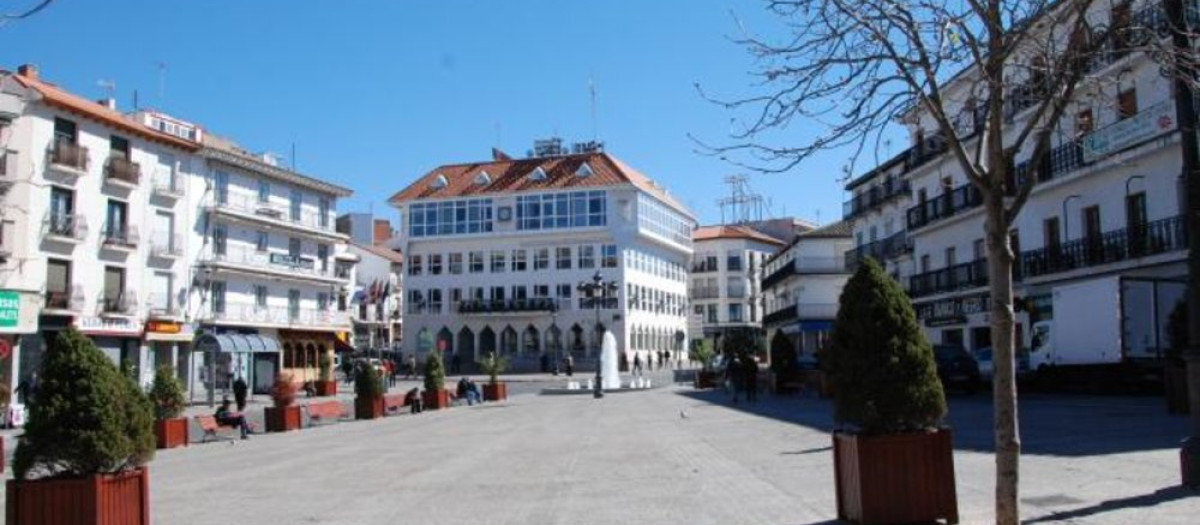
point(381, 251)
point(511, 176)
point(706, 233)
point(58, 97)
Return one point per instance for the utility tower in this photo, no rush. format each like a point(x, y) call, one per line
point(744, 205)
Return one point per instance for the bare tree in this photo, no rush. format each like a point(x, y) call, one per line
point(991, 78)
point(26, 13)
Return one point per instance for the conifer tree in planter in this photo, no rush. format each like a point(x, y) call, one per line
point(1174, 367)
point(284, 416)
point(166, 394)
point(436, 396)
point(326, 385)
point(89, 435)
point(368, 393)
point(893, 462)
point(702, 351)
point(494, 365)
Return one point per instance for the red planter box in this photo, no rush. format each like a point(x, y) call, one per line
point(109, 499)
point(282, 419)
point(706, 379)
point(496, 392)
point(436, 400)
point(902, 478)
point(326, 388)
point(171, 433)
point(365, 408)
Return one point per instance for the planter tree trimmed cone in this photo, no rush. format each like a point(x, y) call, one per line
point(326, 385)
point(435, 395)
point(166, 394)
point(368, 393)
point(493, 366)
point(89, 435)
point(284, 415)
point(702, 351)
point(892, 461)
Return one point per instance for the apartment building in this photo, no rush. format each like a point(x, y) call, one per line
point(496, 251)
point(802, 285)
point(377, 303)
point(1106, 202)
point(726, 272)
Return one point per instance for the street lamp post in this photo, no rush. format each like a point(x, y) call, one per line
point(554, 337)
point(597, 290)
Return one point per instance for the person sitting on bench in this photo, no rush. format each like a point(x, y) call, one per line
point(228, 418)
point(413, 399)
point(467, 390)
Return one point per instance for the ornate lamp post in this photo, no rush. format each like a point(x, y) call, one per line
point(598, 290)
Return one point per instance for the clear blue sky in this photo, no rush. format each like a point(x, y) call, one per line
point(374, 94)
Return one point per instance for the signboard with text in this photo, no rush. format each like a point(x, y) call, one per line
point(1146, 124)
point(10, 308)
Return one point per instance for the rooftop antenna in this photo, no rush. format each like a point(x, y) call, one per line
point(293, 156)
point(592, 94)
point(818, 214)
point(744, 205)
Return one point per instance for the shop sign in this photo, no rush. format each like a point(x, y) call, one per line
point(1154, 120)
point(945, 321)
point(90, 324)
point(292, 261)
point(954, 307)
point(163, 327)
point(10, 308)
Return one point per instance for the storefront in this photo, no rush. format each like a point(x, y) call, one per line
point(120, 338)
point(254, 358)
point(302, 351)
point(18, 321)
point(170, 343)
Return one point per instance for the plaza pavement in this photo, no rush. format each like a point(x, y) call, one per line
point(666, 456)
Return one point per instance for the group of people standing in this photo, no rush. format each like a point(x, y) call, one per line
point(663, 357)
point(741, 375)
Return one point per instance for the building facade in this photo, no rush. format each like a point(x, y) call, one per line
point(726, 272)
point(802, 285)
point(377, 305)
point(496, 252)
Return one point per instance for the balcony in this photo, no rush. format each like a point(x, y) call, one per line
point(64, 228)
point(120, 171)
point(161, 306)
point(281, 316)
point(250, 208)
point(63, 300)
point(118, 303)
point(247, 259)
point(121, 237)
point(166, 246)
point(704, 267)
point(888, 248)
point(876, 196)
point(1152, 238)
point(953, 278)
point(507, 306)
point(604, 303)
point(961, 199)
point(67, 157)
point(166, 185)
point(782, 315)
point(706, 292)
point(735, 292)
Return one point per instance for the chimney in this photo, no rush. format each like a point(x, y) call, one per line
point(110, 103)
point(29, 71)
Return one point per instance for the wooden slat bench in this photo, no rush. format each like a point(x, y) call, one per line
point(212, 430)
point(392, 403)
point(325, 411)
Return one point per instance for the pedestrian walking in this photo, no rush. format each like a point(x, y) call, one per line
point(569, 364)
point(637, 364)
point(410, 368)
point(733, 377)
point(750, 377)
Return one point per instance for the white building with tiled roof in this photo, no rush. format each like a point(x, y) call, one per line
point(495, 251)
point(802, 285)
point(724, 288)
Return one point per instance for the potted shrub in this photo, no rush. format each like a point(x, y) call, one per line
point(435, 394)
point(89, 435)
point(368, 393)
point(1174, 367)
point(166, 394)
point(783, 364)
point(326, 385)
point(893, 462)
point(283, 416)
point(702, 351)
point(493, 366)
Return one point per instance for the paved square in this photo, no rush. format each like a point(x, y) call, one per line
point(634, 458)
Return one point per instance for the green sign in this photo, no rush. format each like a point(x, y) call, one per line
point(10, 308)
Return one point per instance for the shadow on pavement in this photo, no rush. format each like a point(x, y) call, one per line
point(1056, 425)
point(1144, 500)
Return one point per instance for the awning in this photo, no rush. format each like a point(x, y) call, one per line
point(237, 343)
point(341, 346)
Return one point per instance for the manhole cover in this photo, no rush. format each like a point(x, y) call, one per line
point(1053, 500)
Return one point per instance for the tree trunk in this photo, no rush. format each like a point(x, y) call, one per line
point(1008, 441)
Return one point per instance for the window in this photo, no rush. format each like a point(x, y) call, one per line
point(416, 302)
point(260, 296)
point(733, 261)
point(293, 305)
point(587, 257)
point(1135, 211)
point(1091, 222)
point(980, 250)
point(323, 206)
point(562, 258)
point(414, 264)
point(519, 261)
point(951, 257)
point(296, 201)
point(925, 263)
point(161, 299)
point(435, 264)
point(294, 245)
point(322, 301)
point(264, 191)
point(541, 290)
point(119, 147)
point(222, 191)
point(497, 261)
point(456, 264)
point(497, 293)
point(1084, 122)
point(561, 210)
point(435, 301)
point(608, 256)
point(219, 239)
point(564, 291)
point(62, 211)
point(541, 259)
point(65, 131)
point(115, 229)
point(735, 313)
point(58, 283)
point(450, 218)
point(455, 296)
point(217, 288)
point(262, 239)
point(520, 292)
point(1051, 232)
point(323, 256)
point(663, 221)
point(712, 314)
point(1127, 104)
point(476, 262)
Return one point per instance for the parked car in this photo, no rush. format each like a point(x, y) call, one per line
point(957, 368)
point(983, 357)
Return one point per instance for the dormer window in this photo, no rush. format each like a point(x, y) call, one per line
point(584, 170)
point(483, 179)
point(440, 182)
point(537, 174)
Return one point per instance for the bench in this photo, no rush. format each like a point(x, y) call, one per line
point(325, 410)
point(392, 403)
point(212, 429)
